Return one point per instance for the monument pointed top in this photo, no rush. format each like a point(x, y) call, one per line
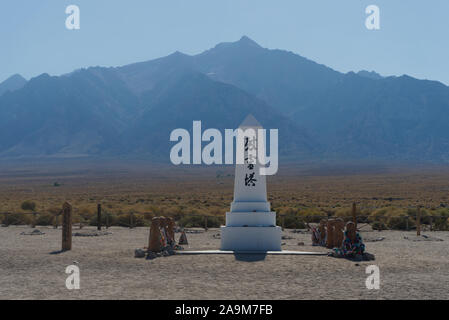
point(250, 122)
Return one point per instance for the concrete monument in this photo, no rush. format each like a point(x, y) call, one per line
point(250, 224)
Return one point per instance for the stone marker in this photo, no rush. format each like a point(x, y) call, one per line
point(155, 243)
point(163, 228)
point(250, 224)
point(322, 229)
point(339, 234)
point(171, 231)
point(66, 227)
point(330, 234)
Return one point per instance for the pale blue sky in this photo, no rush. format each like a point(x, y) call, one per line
point(414, 35)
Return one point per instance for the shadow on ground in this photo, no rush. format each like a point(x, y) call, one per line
point(250, 257)
point(58, 251)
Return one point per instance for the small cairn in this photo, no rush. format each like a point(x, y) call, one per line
point(183, 239)
point(330, 234)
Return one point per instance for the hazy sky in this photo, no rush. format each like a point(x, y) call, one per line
point(413, 39)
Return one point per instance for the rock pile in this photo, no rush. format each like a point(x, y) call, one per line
point(91, 233)
point(35, 232)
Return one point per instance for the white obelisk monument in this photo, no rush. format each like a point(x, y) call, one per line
point(250, 225)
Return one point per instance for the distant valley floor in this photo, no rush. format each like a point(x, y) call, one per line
point(141, 186)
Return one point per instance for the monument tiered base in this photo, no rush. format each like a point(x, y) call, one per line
point(251, 238)
point(250, 219)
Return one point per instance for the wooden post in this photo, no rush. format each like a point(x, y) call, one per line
point(66, 227)
point(205, 223)
point(6, 219)
point(107, 220)
point(99, 216)
point(283, 222)
point(418, 221)
point(354, 214)
point(55, 222)
point(33, 225)
point(131, 220)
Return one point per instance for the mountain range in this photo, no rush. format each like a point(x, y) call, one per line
point(321, 113)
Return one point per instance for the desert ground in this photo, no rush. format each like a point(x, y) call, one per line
point(32, 268)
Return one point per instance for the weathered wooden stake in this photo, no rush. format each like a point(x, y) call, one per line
point(283, 221)
point(354, 214)
point(99, 216)
point(33, 224)
point(55, 222)
point(66, 227)
point(131, 220)
point(205, 223)
point(5, 220)
point(107, 220)
point(418, 221)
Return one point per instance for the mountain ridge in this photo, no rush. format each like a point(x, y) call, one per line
point(13, 83)
point(321, 113)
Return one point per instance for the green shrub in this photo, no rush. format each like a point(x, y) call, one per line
point(291, 222)
point(441, 222)
point(391, 218)
point(106, 219)
point(399, 223)
point(344, 212)
point(45, 219)
point(425, 215)
point(111, 219)
point(311, 215)
point(378, 225)
point(123, 220)
point(140, 221)
point(87, 216)
point(16, 219)
point(197, 221)
point(28, 206)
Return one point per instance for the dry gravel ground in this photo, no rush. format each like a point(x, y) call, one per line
point(28, 270)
